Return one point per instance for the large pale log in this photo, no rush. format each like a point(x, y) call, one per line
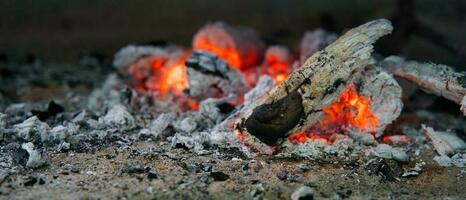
point(437, 79)
point(284, 109)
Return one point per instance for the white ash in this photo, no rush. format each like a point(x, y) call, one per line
point(445, 143)
point(31, 129)
point(2, 126)
point(17, 112)
point(131, 53)
point(457, 160)
point(211, 108)
point(314, 150)
point(314, 41)
point(200, 142)
point(389, 152)
point(60, 133)
point(361, 137)
point(108, 95)
point(7, 165)
point(35, 158)
point(119, 117)
point(416, 170)
point(263, 86)
point(210, 76)
point(64, 146)
point(302, 193)
point(82, 117)
point(187, 125)
point(158, 126)
point(463, 105)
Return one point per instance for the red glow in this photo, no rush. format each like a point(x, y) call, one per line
point(168, 79)
point(396, 139)
point(163, 74)
point(227, 52)
point(278, 68)
point(298, 138)
point(303, 136)
point(239, 135)
point(351, 110)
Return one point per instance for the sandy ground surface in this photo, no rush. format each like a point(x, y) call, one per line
point(150, 170)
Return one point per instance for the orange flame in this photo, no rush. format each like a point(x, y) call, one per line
point(351, 110)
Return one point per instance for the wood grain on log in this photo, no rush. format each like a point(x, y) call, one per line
point(441, 80)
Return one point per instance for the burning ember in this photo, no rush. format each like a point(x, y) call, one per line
point(228, 52)
point(277, 63)
point(351, 110)
point(163, 72)
point(240, 47)
point(168, 78)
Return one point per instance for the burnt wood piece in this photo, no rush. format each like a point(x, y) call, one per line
point(312, 81)
point(437, 79)
point(270, 122)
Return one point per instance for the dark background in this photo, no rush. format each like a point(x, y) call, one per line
point(57, 30)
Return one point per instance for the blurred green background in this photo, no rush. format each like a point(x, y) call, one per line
point(57, 30)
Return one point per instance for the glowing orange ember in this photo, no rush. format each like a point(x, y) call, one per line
point(396, 139)
point(168, 78)
point(227, 52)
point(277, 68)
point(239, 135)
point(351, 110)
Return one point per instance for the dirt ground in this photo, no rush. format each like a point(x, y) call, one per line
point(150, 170)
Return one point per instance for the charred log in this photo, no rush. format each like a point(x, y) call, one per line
point(437, 79)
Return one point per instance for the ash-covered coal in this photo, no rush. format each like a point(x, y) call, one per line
point(210, 76)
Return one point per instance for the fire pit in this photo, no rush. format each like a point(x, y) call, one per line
point(234, 112)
